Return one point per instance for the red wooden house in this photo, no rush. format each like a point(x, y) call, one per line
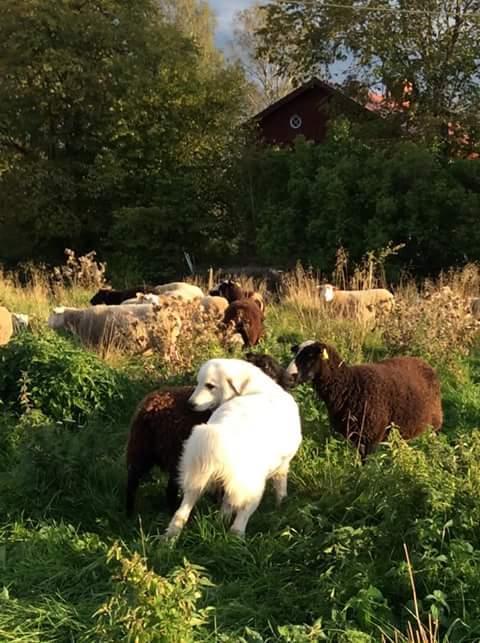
point(305, 112)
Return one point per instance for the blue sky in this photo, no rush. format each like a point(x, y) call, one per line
point(225, 10)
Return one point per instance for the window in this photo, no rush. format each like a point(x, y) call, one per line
point(295, 121)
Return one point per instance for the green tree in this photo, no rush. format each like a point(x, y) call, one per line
point(106, 108)
point(268, 84)
point(424, 55)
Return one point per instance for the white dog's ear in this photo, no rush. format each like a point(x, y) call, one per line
point(238, 390)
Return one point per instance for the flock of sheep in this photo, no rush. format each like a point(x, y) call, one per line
point(240, 426)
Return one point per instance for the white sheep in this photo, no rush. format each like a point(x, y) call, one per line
point(142, 298)
point(179, 289)
point(20, 322)
point(251, 437)
point(370, 297)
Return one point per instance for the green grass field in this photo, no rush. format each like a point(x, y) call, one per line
point(331, 564)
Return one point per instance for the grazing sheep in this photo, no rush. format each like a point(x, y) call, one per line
point(233, 291)
point(364, 401)
point(475, 307)
point(180, 289)
point(372, 297)
point(251, 436)
point(142, 298)
point(20, 322)
point(6, 325)
point(214, 305)
point(247, 319)
point(135, 326)
point(160, 425)
point(162, 422)
point(270, 367)
point(111, 297)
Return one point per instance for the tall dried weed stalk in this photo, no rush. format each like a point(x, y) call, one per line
point(435, 321)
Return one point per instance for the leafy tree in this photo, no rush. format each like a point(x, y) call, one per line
point(424, 54)
point(267, 83)
point(361, 194)
point(195, 20)
point(105, 108)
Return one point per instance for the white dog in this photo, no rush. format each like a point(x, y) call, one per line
point(252, 436)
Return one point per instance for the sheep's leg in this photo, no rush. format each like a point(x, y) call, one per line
point(135, 474)
point(243, 516)
point(190, 497)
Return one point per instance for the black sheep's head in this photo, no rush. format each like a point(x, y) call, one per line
point(101, 297)
point(271, 367)
point(312, 359)
point(228, 289)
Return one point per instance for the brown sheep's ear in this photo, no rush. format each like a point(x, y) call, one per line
point(294, 349)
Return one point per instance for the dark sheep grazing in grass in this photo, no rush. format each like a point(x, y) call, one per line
point(112, 297)
point(271, 367)
point(161, 423)
point(365, 400)
point(247, 318)
point(232, 291)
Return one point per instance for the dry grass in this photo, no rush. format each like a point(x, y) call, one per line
point(417, 632)
point(435, 320)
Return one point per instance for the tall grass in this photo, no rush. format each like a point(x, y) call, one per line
point(388, 551)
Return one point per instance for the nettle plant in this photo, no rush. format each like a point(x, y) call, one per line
point(48, 373)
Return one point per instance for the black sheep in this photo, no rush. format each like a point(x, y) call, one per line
point(112, 297)
point(365, 400)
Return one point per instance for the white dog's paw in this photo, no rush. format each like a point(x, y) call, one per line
point(172, 531)
point(240, 533)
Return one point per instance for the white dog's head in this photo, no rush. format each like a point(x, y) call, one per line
point(220, 380)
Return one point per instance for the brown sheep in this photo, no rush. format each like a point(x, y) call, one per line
point(365, 400)
point(247, 318)
point(161, 423)
point(232, 291)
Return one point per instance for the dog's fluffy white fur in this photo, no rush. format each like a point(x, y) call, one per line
point(252, 436)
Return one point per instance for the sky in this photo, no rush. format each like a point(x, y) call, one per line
point(225, 10)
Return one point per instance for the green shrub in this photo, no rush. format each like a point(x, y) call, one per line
point(49, 373)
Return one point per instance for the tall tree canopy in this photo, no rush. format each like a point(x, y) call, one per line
point(267, 83)
point(423, 54)
point(113, 131)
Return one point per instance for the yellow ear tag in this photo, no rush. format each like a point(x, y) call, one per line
point(325, 354)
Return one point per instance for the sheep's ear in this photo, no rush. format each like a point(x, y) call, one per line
point(325, 355)
point(294, 349)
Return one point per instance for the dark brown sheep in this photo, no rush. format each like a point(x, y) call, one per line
point(365, 400)
point(271, 367)
point(232, 291)
point(247, 319)
point(111, 297)
point(161, 423)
